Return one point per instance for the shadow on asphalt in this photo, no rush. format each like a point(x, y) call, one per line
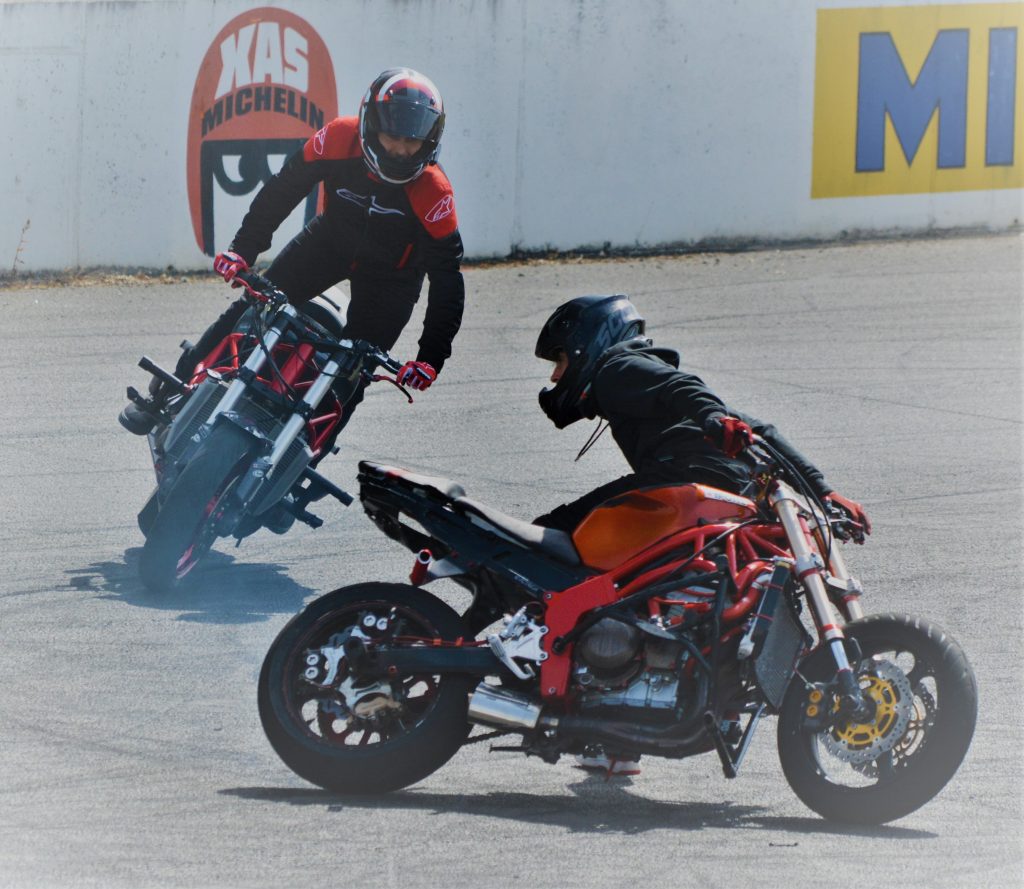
point(596, 806)
point(219, 590)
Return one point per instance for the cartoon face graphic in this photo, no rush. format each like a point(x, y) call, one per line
point(265, 86)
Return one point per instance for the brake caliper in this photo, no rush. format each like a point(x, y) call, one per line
point(889, 689)
point(360, 697)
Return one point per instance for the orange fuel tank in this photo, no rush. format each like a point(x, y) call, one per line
point(626, 525)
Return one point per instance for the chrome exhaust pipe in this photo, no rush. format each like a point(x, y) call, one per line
point(490, 705)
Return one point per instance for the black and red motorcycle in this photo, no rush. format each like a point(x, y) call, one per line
point(234, 447)
point(668, 624)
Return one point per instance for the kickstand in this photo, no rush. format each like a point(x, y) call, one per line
point(732, 756)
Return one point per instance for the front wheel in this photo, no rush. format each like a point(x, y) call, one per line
point(189, 517)
point(347, 734)
point(925, 700)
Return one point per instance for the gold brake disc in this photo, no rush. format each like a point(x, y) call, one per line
point(887, 685)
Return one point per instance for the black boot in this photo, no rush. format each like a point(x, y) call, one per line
point(279, 518)
point(138, 420)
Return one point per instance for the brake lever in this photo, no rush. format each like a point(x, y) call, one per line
point(261, 290)
point(844, 527)
point(380, 378)
point(255, 295)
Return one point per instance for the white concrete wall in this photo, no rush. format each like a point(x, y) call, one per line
point(570, 124)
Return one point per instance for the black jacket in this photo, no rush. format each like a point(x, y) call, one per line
point(657, 415)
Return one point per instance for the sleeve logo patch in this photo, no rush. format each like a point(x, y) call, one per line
point(318, 141)
point(442, 209)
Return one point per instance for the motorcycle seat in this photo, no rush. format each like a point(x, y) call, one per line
point(442, 487)
point(554, 543)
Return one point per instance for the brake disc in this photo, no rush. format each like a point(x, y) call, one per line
point(860, 743)
point(915, 737)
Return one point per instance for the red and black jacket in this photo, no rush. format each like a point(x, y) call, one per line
point(391, 231)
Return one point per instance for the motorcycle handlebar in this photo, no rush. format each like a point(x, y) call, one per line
point(264, 290)
point(261, 289)
point(388, 361)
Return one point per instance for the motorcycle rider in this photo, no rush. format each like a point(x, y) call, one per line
point(669, 425)
point(388, 220)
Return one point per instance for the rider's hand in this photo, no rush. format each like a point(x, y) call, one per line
point(416, 375)
point(852, 510)
point(731, 434)
point(229, 264)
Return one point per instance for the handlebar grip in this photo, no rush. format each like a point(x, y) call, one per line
point(391, 363)
point(384, 359)
point(260, 287)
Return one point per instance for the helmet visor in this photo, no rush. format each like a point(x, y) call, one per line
point(400, 117)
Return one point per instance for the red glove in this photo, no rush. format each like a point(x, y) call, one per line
point(731, 434)
point(416, 375)
point(229, 264)
point(853, 510)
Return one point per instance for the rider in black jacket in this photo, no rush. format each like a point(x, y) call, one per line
point(388, 220)
point(668, 424)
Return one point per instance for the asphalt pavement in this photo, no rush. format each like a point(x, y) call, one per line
point(131, 752)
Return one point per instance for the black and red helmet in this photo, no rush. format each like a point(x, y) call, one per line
point(401, 102)
point(583, 329)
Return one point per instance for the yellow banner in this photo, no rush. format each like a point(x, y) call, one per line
point(918, 99)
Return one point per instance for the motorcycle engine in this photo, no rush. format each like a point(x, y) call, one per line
point(619, 666)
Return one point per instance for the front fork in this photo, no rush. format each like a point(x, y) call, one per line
point(253, 365)
point(297, 422)
point(810, 570)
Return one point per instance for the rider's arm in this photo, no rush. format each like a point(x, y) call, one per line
point(641, 386)
point(446, 298)
point(296, 179)
point(272, 205)
point(769, 433)
point(440, 256)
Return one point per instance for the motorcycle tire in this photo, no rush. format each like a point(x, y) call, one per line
point(926, 702)
point(417, 722)
point(185, 527)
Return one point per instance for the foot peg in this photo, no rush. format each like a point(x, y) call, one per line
point(168, 379)
point(319, 487)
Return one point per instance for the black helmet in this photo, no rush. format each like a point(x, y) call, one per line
point(400, 102)
point(583, 328)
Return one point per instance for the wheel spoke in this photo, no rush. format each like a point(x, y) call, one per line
point(919, 674)
point(886, 767)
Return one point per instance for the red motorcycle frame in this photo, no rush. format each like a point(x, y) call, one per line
point(298, 370)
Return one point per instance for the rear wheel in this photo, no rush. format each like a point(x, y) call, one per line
point(187, 523)
point(353, 736)
point(925, 700)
